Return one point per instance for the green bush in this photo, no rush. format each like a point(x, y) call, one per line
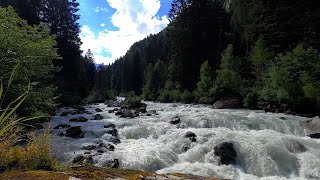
point(293, 80)
point(187, 97)
point(228, 79)
point(34, 49)
point(205, 84)
point(110, 95)
point(36, 155)
point(164, 96)
point(251, 98)
point(132, 101)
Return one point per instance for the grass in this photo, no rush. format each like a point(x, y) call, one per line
point(36, 154)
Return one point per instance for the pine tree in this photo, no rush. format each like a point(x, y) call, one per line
point(205, 83)
point(228, 81)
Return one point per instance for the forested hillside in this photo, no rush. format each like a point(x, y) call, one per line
point(266, 53)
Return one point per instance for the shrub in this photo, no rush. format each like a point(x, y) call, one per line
point(164, 96)
point(292, 80)
point(187, 97)
point(251, 98)
point(35, 156)
point(132, 101)
point(110, 95)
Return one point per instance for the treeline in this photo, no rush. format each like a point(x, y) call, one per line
point(263, 52)
point(42, 38)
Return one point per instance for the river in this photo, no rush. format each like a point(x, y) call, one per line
point(268, 146)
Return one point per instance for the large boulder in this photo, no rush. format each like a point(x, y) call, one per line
point(227, 103)
point(98, 117)
point(143, 109)
point(110, 126)
point(62, 126)
point(119, 112)
point(74, 132)
point(191, 136)
point(312, 127)
point(127, 113)
point(78, 107)
point(175, 120)
point(64, 114)
point(226, 152)
point(79, 119)
point(98, 110)
point(315, 136)
point(112, 132)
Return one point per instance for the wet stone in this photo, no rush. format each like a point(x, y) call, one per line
point(62, 126)
point(110, 126)
point(98, 117)
point(98, 110)
point(175, 121)
point(79, 119)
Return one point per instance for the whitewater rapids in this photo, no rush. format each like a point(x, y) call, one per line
point(269, 146)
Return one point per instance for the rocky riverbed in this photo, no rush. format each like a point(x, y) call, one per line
point(189, 139)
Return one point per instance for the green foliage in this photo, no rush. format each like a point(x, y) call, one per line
point(33, 48)
point(35, 156)
point(132, 101)
point(260, 57)
point(294, 79)
point(187, 97)
point(154, 80)
point(251, 98)
point(205, 83)
point(110, 95)
point(170, 93)
point(228, 79)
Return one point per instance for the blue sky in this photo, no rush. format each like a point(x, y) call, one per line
point(110, 27)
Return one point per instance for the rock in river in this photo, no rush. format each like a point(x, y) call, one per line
point(191, 136)
point(227, 103)
point(62, 126)
point(74, 132)
point(110, 126)
point(226, 153)
point(98, 117)
point(175, 120)
point(64, 114)
point(98, 110)
point(79, 119)
point(127, 113)
point(112, 132)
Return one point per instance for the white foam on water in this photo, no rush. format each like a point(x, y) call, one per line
point(269, 146)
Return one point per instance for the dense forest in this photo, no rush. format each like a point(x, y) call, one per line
point(265, 53)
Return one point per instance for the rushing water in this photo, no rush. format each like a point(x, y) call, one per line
point(269, 146)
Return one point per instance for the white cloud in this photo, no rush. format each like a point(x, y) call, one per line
point(102, 24)
point(98, 9)
point(136, 19)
